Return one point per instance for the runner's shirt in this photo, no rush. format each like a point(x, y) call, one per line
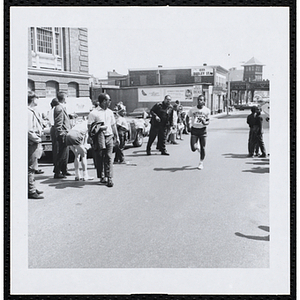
point(196, 115)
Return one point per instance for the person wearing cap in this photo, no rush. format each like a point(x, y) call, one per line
point(122, 127)
point(198, 120)
point(35, 151)
point(161, 119)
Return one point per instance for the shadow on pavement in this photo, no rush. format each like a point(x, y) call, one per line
point(234, 155)
point(265, 228)
point(184, 168)
point(64, 183)
point(258, 170)
point(254, 237)
point(258, 163)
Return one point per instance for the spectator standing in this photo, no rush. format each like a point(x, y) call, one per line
point(35, 149)
point(258, 132)
point(122, 127)
point(252, 141)
point(173, 127)
point(180, 124)
point(107, 128)
point(62, 126)
point(54, 141)
point(160, 122)
point(198, 120)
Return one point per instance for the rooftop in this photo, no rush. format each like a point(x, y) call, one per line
point(253, 61)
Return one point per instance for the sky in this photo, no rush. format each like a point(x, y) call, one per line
point(145, 37)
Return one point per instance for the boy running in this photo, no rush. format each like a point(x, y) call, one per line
point(197, 120)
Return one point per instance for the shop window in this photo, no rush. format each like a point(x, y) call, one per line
point(51, 89)
point(73, 89)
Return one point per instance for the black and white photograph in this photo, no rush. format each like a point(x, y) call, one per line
point(152, 155)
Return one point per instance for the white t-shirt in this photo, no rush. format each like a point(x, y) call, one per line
point(100, 115)
point(196, 115)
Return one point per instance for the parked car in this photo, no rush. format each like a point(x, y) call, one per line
point(141, 112)
point(245, 105)
point(138, 128)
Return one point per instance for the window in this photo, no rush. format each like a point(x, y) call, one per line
point(46, 40)
point(32, 38)
point(51, 89)
point(73, 89)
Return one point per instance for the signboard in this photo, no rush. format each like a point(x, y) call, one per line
point(203, 71)
point(158, 94)
point(197, 90)
point(150, 95)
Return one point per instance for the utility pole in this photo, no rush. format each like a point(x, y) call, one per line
point(228, 90)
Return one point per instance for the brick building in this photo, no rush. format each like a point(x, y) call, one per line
point(145, 87)
point(58, 61)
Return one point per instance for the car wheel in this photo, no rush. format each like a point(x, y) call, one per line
point(138, 142)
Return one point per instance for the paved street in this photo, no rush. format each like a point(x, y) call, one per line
point(162, 212)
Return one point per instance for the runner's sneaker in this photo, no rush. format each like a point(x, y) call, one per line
point(200, 167)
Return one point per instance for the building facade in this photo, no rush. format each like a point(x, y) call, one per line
point(248, 85)
point(145, 87)
point(58, 61)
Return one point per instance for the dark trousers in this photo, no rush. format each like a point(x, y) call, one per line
point(62, 157)
point(252, 143)
point(261, 144)
point(257, 141)
point(201, 135)
point(161, 134)
point(104, 159)
point(54, 146)
point(119, 155)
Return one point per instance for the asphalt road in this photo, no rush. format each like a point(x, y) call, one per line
point(162, 212)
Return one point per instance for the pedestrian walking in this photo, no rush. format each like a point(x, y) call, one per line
point(258, 132)
point(103, 120)
point(198, 120)
point(252, 141)
point(160, 122)
point(76, 139)
point(122, 127)
point(62, 126)
point(35, 149)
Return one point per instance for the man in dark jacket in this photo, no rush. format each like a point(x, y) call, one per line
point(258, 132)
point(62, 125)
point(250, 121)
point(160, 122)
